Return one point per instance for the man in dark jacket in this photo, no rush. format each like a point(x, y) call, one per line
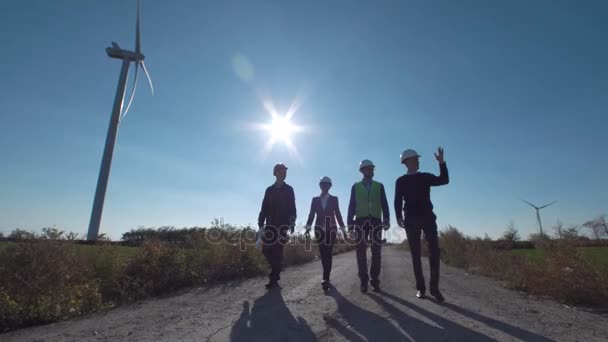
point(414, 211)
point(327, 210)
point(277, 216)
point(368, 215)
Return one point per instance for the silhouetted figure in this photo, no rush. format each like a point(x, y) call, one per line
point(269, 320)
point(327, 211)
point(366, 207)
point(414, 211)
point(277, 216)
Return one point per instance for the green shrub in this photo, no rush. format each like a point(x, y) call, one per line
point(453, 246)
point(154, 270)
point(41, 282)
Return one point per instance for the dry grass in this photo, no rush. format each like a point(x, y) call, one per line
point(562, 273)
point(42, 281)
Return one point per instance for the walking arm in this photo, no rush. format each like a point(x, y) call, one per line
point(292, 211)
point(399, 204)
point(263, 211)
point(351, 210)
point(339, 214)
point(311, 215)
point(386, 217)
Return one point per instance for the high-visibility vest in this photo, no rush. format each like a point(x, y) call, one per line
point(368, 202)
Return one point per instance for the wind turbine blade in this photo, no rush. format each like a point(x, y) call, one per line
point(533, 206)
point(137, 36)
point(132, 93)
point(546, 205)
point(143, 66)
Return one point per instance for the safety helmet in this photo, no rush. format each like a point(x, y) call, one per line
point(325, 180)
point(407, 154)
point(366, 163)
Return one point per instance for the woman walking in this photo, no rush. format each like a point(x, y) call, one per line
point(327, 211)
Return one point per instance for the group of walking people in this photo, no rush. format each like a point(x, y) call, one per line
point(368, 216)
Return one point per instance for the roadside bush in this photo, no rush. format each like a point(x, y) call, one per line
point(105, 265)
point(154, 270)
point(42, 282)
point(563, 274)
point(567, 277)
point(453, 246)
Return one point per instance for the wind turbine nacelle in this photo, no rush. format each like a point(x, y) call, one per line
point(116, 52)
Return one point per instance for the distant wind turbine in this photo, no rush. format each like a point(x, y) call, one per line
point(538, 213)
point(117, 115)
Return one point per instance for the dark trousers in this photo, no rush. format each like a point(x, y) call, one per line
point(368, 232)
point(274, 241)
point(413, 228)
point(325, 240)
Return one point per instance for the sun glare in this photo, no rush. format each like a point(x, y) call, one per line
point(281, 129)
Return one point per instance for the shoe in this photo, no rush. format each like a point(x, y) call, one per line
point(438, 296)
point(364, 286)
point(376, 285)
point(420, 294)
point(271, 285)
point(326, 285)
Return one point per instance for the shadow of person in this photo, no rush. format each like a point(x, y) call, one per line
point(502, 326)
point(361, 324)
point(455, 330)
point(443, 330)
point(270, 320)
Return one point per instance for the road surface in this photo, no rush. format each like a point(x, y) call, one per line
point(476, 309)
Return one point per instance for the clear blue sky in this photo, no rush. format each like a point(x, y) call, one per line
point(516, 92)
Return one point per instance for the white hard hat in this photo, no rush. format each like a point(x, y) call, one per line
point(366, 163)
point(409, 153)
point(325, 180)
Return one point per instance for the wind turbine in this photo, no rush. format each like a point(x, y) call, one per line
point(538, 213)
point(117, 115)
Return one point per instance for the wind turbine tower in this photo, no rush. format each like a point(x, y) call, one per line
point(117, 115)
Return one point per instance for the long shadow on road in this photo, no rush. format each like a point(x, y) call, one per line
point(450, 330)
point(270, 320)
point(359, 321)
point(365, 325)
point(514, 331)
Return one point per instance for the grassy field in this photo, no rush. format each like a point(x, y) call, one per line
point(123, 252)
point(5, 244)
point(597, 256)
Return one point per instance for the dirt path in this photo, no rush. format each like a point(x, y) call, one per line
point(477, 309)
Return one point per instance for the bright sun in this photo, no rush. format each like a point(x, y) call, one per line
point(281, 129)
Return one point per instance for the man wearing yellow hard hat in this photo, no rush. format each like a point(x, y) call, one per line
point(368, 215)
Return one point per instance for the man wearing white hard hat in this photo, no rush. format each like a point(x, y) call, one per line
point(326, 208)
point(414, 211)
point(277, 216)
point(368, 215)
